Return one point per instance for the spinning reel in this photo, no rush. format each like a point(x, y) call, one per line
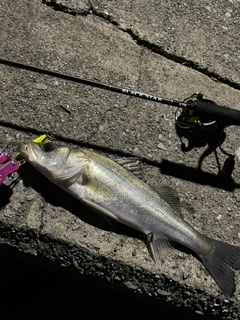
point(202, 130)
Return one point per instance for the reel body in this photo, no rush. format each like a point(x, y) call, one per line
point(198, 130)
point(202, 130)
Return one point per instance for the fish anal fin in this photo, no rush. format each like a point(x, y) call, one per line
point(157, 247)
point(170, 196)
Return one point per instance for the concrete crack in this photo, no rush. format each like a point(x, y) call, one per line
point(139, 75)
point(140, 67)
point(74, 8)
point(71, 7)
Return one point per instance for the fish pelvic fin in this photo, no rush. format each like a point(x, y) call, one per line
point(157, 247)
point(221, 262)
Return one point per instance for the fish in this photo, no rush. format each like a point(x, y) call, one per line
point(113, 190)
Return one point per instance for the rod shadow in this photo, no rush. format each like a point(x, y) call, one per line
point(196, 175)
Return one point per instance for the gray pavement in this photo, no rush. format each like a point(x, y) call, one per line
point(169, 49)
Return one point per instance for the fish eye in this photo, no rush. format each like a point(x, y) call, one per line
point(48, 147)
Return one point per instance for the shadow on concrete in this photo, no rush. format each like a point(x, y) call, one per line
point(195, 175)
point(6, 194)
point(33, 289)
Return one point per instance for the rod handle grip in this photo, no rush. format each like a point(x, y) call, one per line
point(223, 114)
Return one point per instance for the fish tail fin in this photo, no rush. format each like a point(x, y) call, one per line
point(221, 262)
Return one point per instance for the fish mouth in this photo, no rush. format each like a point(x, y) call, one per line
point(23, 151)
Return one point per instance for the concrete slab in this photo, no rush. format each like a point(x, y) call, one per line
point(41, 220)
point(203, 35)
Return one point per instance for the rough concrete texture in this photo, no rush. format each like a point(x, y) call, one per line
point(169, 49)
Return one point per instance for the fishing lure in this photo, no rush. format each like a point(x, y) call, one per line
point(10, 163)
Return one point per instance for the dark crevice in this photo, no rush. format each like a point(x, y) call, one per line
point(143, 43)
point(64, 8)
point(178, 59)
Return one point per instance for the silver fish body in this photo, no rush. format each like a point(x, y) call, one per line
point(103, 184)
point(117, 193)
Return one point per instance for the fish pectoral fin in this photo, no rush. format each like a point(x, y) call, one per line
point(170, 196)
point(157, 246)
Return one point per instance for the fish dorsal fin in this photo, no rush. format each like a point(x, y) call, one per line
point(170, 196)
point(158, 246)
point(132, 164)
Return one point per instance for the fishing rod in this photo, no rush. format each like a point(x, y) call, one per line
point(199, 106)
point(198, 119)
